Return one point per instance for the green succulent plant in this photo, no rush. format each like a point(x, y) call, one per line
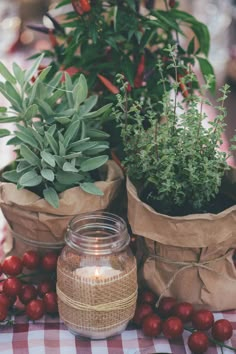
point(56, 134)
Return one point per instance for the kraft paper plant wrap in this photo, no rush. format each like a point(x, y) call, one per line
point(189, 257)
point(32, 218)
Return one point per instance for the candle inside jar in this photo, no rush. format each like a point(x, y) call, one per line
point(97, 272)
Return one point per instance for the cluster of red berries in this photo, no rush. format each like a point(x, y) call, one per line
point(170, 318)
point(17, 291)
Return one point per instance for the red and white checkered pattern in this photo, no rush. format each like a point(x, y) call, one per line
point(50, 336)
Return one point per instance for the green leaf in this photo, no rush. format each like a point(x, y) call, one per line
point(80, 91)
point(96, 133)
point(9, 119)
point(69, 88)
point(30, 179)
point(202, 33)
point(6, 74)
point(62, 149)
point(47, 174)
point(19, 73)
point(68, 178)
point(207, 69)
point(93, 163)
point(31, 112)
point(3, 109)
point(68, 167)
point(4, 132)
point(71, 132)
point(27, 138)
point(22, 166)
point(51, 196)
point(33, 69)
point(191, 46)
point(11, 176)
point(29, 155)
point(91, 188)
point(89, 103)
point(63, 120)
point(99, 112)
point(52, 142)
point(48, 158)
point(12, 92)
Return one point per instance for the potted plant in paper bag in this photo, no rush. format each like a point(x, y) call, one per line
point(61, 167)
point(176, 183)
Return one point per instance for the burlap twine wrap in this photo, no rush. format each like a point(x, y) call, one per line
point(99, 306)
point(33, 220)
point(190, 257)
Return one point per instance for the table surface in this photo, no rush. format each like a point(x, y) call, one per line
point(50, 336)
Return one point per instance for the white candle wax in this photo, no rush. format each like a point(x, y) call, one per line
point(97, 272)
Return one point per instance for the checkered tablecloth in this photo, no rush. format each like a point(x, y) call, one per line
point(50, 336)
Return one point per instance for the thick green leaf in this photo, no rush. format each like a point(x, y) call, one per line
point(202, 33)
point(31, 112)
point(52, 142)
point(29, 155)
point(62, 149)
point(52, 129)
point(6, 74)
point(191, 46)
point(71, 131)
point(93, 163)
point(63, 120)
point(68, 178)
point(27, 138)
point(73, 155)
point(30, 179)
point(51, 196)
point(9, 119)
point(47, 174)
point(91, 188)
point(99, 112)
point(207, 69)
point(19, 74)
point(80, 91)
point(96, 133)
point(48, 158)
point(69, 88)
point(11, 176)
point(33, 69)
point(4, 132)
point(12, 92)
point(23, 166)
point(68, 167)
point(89, 103)
point(3, 109)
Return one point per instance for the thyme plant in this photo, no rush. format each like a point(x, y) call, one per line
point(171, 155)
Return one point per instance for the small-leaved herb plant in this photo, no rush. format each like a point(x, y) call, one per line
point(57, 139)
point(173, 155)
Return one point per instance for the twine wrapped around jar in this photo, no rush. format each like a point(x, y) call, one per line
point(97, 276)
point(100, 305)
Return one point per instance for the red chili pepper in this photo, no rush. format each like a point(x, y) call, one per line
point(109, 85)
point(182, 86)
point(140, 72)
point(172, 3)
point(81, 6)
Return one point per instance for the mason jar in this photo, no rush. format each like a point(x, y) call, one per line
point(96, 276)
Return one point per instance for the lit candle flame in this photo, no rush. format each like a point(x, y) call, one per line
point(96, 272)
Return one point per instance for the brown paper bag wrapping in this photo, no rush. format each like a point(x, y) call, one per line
point(33, 219)
point(189, 257)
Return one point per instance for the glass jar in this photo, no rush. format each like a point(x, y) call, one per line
point(96, 276)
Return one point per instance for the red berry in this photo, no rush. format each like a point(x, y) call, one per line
point(172, 3)
point(184, 311)
point(12, 265)
point(202, 320)
point(198, 343)
point(172, 327)
point(147, 297)
point(3, 312)
point(141, 312)
point(222, 330)
point(49, 261)
point(35, 309)
point(166, 306)
point(50, 302)
point(151, 325)
point(4, 300)
point(28, 292)
point(12, 286)
point(31, 259)
point(45, 287)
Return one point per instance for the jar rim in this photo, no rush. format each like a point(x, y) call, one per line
point(83, 233)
